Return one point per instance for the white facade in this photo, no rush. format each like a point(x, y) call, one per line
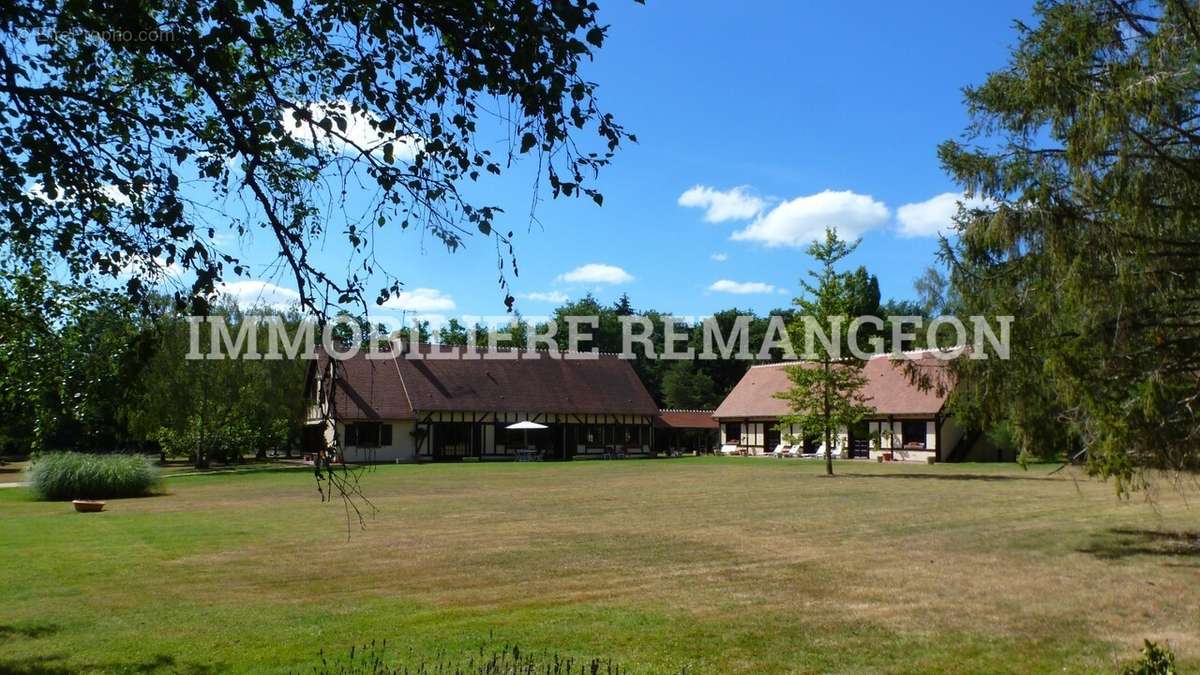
point(752, 438)
point(401, 449)
point(890, 435)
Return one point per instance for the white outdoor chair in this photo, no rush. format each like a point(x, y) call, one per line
point(729, 449)
point(780, 450)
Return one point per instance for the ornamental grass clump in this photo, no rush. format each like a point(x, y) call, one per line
point(61, 476)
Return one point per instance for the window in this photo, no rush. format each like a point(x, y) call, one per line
point(511, 439)
point(593, 436)
point(912, 432)
point(627, 436)
point(451, 439)
point(771, 437)
point(590, 435)
point(368, 434)
point(733, 432)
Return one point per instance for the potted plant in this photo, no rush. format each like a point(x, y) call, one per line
point(88, 505)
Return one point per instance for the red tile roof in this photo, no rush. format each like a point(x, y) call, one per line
point(889, 389)
point(397, 387)
point(687, 419)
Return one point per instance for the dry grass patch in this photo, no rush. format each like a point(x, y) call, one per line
point(724, 564)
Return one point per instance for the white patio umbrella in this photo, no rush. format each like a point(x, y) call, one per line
point(526, 426)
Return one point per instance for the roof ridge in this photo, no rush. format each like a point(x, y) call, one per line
point(923, 350)
point(386, 349)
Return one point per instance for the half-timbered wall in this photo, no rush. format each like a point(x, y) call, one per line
point(482, 435)
point(890, 434)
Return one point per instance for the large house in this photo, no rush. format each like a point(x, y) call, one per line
point(451, 404)
point(908, 421)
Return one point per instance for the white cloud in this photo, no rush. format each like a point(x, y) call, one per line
point(935, 215)
point(221, 238)
point(150, 269)
point(797, 222)
point(435, 320)
point(112, 192)
point(742, 287)
point(361, 132)
point(597, 273)
point(420, 300)
point(252, 293)
point(719, 257)
point(719, 206)
point(547, 296)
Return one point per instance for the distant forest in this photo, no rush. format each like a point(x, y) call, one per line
point(92, 370)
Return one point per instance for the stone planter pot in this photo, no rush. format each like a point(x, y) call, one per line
point(88, 505)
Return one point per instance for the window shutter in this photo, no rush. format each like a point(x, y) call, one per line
point(385, 434)
point(351, 435)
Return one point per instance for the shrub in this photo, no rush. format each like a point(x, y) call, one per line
point(71, 475)
point(1155, 661)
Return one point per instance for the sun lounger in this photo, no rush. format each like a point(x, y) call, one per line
point(729, 449)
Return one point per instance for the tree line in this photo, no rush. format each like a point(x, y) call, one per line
point(88, 369)
point(93, 370)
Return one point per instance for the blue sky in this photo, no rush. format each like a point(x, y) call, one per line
point(758, 123)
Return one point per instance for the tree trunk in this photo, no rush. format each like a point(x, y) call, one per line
point(828, 443)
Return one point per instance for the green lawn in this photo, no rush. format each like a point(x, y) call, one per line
point(721, 565)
